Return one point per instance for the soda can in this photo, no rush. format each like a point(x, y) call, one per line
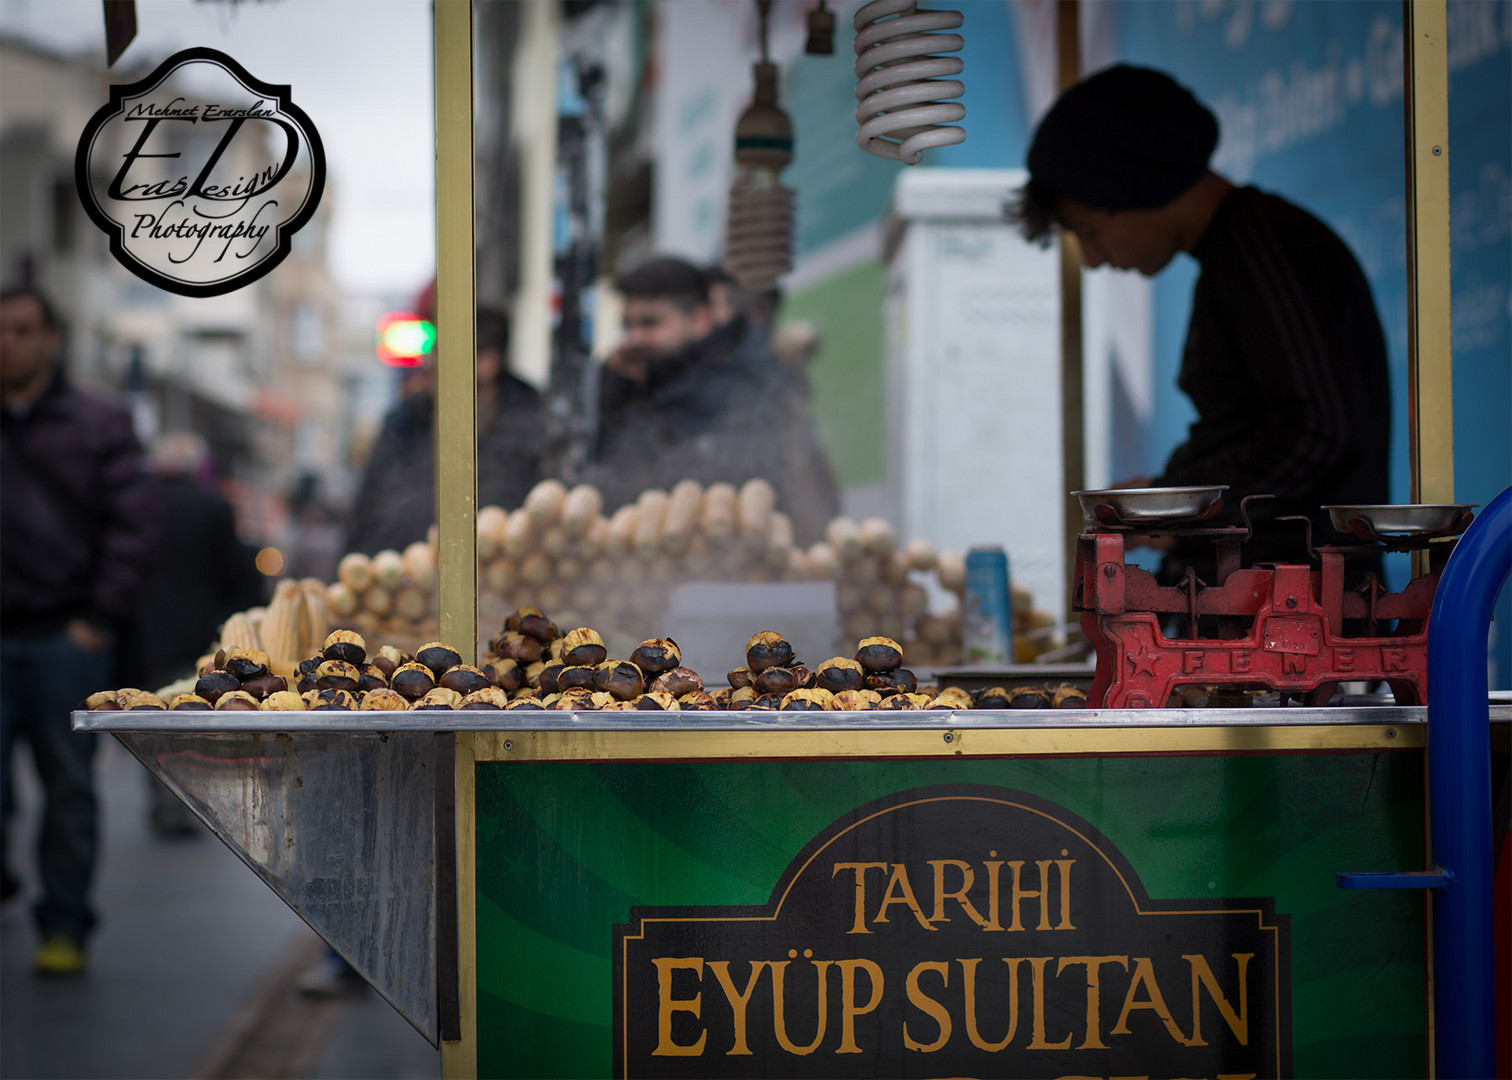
point(988, 617)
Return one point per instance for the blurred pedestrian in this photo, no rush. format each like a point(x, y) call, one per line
point(396, 498)
point(200, 573)
point(78, 511)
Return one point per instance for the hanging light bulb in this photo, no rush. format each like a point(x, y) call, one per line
point(821, 31)
point(759, 230)
point(900, 114)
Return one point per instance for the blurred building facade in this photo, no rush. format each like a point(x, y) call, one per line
point(269, 374)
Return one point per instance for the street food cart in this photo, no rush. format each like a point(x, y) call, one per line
point(1089, 892)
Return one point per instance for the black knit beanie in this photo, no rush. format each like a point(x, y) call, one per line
point(1126, 138)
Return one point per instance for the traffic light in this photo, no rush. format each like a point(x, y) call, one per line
point(405, 339)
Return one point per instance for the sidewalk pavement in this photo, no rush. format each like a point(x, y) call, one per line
point(191, 953)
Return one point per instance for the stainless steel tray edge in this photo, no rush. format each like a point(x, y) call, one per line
point(378, 723)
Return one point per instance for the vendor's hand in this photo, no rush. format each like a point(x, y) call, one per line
point(629, 364)
point(86, 636)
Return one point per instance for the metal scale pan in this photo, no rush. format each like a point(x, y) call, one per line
point(1422, 519)
point(1151, 505)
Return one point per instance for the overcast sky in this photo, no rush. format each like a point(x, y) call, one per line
point(361, 70)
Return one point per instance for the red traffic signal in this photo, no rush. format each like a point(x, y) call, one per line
point(404, 339)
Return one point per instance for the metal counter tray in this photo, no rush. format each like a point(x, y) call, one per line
point(437, 721)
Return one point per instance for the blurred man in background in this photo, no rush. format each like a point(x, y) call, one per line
point(78, 514)
point(396, 499)
point(689, 397)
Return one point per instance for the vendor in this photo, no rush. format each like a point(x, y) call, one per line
point(1284, 358)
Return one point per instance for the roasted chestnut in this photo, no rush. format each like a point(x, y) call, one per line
point(213, 684)
point(739, 677)
point(282, 701)
point(621, 678)
point(389, 659)
point(678, 681)
point(812, 700)
point(105, 700)
point(657, 701)
point(575, 699)
point(776, 680)
point(438, 697)
point(994, 697)
point(322, 700)
point(414, 680)
point(583, 646)
point(768, 702)
point(1066, 696)
point(437, 657)
point(952, 697)
point(233, 700)
point(490, 697)
point(897, 681)
point(534, 624)
point(246, 664)
point(268, 684)
point(546, 677)
point(507, 675)
point(512, 620)
point(656, 655)
point(766, 650)
point(345, 645)
point(698, 701)
point(464, 679)
point(132, 698)
point(337, 675)
point(858, 700)
point(372, 677)
point(576, 677)
point(1028, 697)
point(525, 703)
point(839, 673)
point(385, 700)
point(519, 648)
point(879, 654)
point(189, 701)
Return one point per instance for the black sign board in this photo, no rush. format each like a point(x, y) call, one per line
point(956, 931)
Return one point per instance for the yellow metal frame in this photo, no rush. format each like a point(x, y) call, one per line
point(1430, 364)
point(1073, 409)
point(459, 1060)
point(690, 744)
point(456, 359)
point(457, 451)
